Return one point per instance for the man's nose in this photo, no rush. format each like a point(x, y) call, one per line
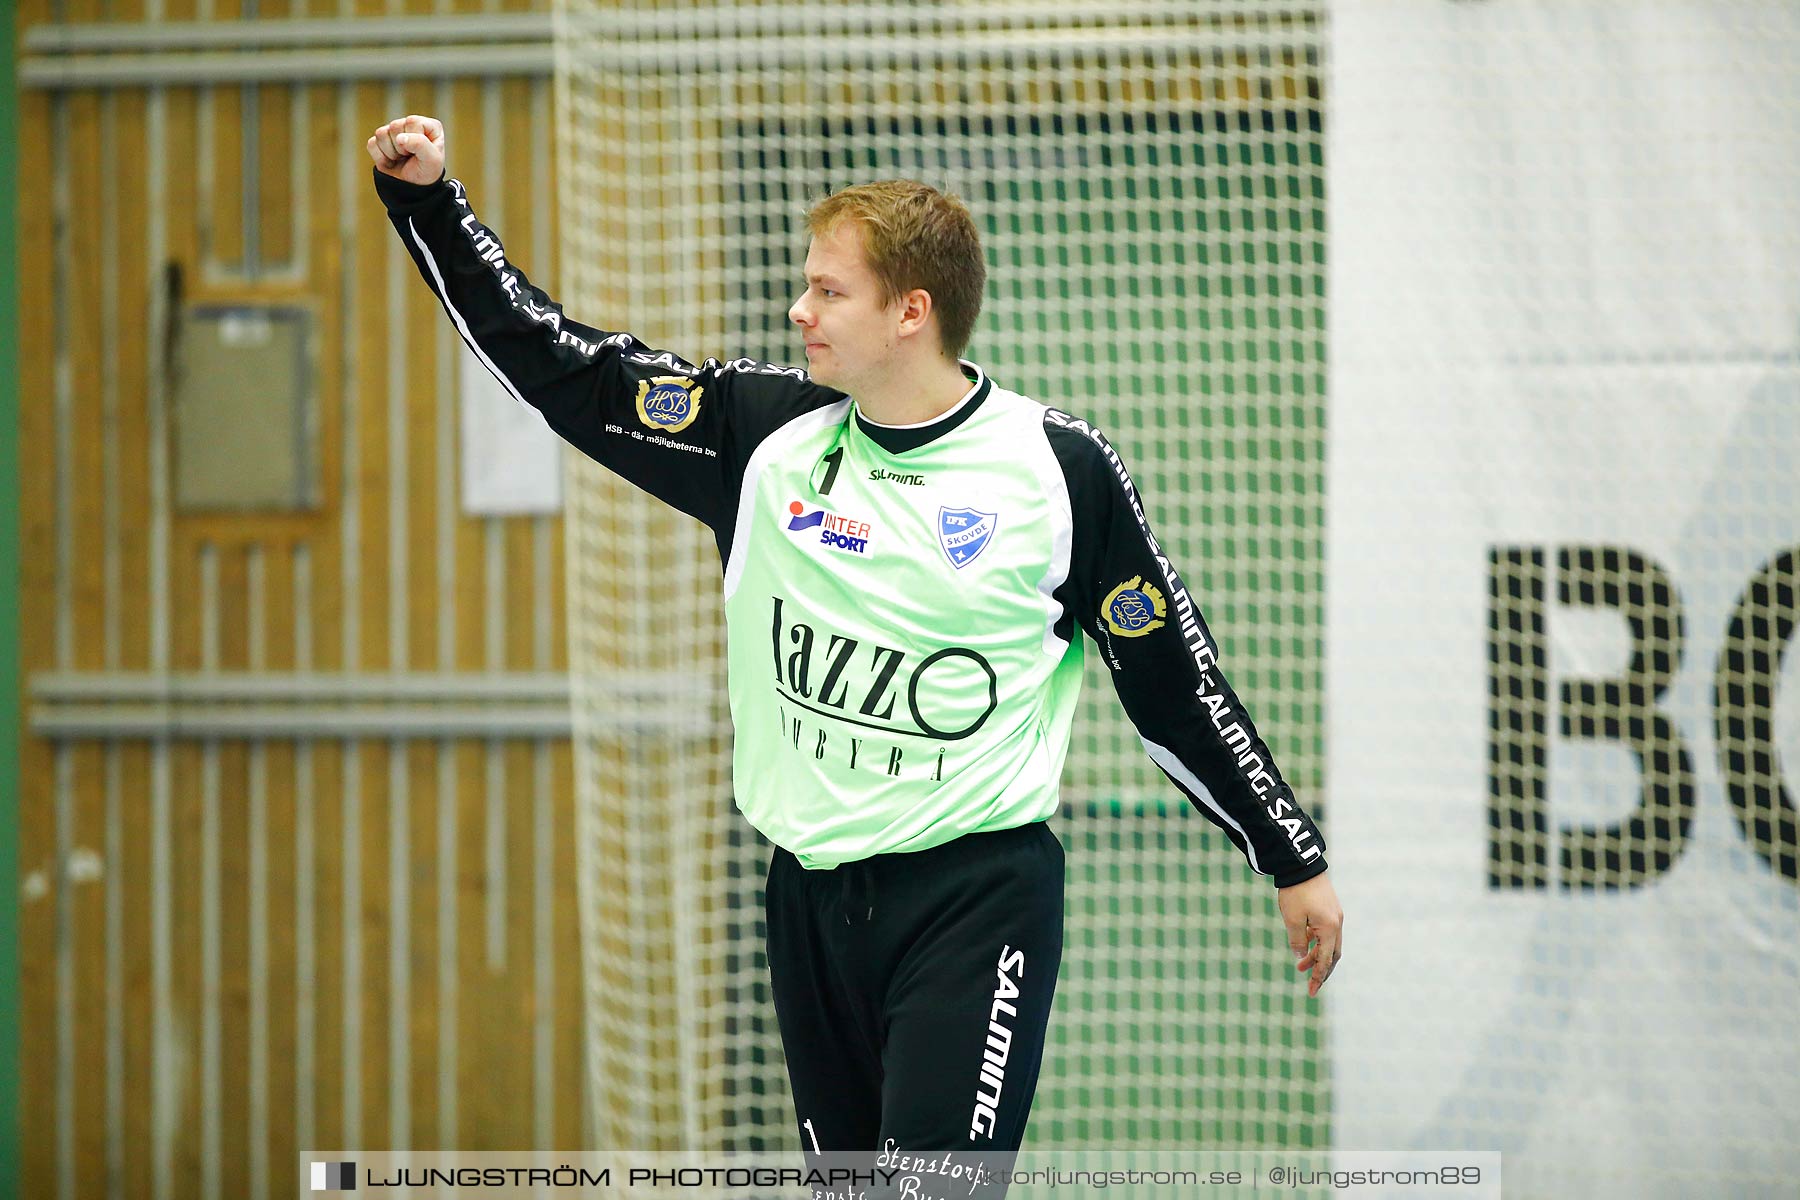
point(798, 313)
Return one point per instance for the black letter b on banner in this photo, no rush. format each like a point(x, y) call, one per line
point(1640, 847)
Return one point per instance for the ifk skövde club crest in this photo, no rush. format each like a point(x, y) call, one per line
point(965, 533)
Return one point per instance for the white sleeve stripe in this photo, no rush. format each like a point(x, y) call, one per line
point(1165, 758)
point(461, 325)
point(1056, 491)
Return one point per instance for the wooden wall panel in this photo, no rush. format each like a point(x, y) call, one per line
point(365, 865)
point(130, 465)
point(81, 341)
point(178, 1078)
point(375, 332)
point(370, 1072)
point(131, 874)
point(567, 1055)
point(424, 997)
point(282, 922)
point(326, 1116)
point(325, 274)
point(226, 1019)
point(275, 179)
point(222, 184)
point(477, 1107)
point(129, 860)
point(274, 1148)
point(509, 974)
point(82, 548)
point(37, 617)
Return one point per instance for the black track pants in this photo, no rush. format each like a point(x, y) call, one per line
point(913, 990)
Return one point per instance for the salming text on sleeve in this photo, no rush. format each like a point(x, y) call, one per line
point(1165, 667)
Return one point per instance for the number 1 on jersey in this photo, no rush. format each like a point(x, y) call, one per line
point(807, 1124)
point(836, 459)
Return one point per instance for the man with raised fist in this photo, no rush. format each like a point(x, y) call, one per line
point(910, 555)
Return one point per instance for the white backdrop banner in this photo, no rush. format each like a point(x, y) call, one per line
point(1564, 541)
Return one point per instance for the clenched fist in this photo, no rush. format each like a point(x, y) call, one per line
point(409, 148)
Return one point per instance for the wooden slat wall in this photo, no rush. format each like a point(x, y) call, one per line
point(233, 951)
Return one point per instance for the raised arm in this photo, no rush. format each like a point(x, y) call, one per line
point(663, 423)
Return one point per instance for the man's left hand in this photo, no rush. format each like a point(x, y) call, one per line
point(1315, 927)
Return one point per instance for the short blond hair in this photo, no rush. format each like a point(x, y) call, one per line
point(915, 236)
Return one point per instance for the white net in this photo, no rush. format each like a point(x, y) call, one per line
point(1565, 409)
point(1148, 179)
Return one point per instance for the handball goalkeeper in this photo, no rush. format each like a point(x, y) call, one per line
point(911, 555)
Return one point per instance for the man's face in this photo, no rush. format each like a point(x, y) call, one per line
point(851, 329)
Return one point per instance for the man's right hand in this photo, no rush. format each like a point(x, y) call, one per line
point(409, 148)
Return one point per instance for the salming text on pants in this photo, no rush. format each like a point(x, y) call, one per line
point(913, 990)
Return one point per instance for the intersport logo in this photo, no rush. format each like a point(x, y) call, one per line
point(838, 532)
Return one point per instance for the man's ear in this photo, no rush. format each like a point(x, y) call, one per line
point(915, 311)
